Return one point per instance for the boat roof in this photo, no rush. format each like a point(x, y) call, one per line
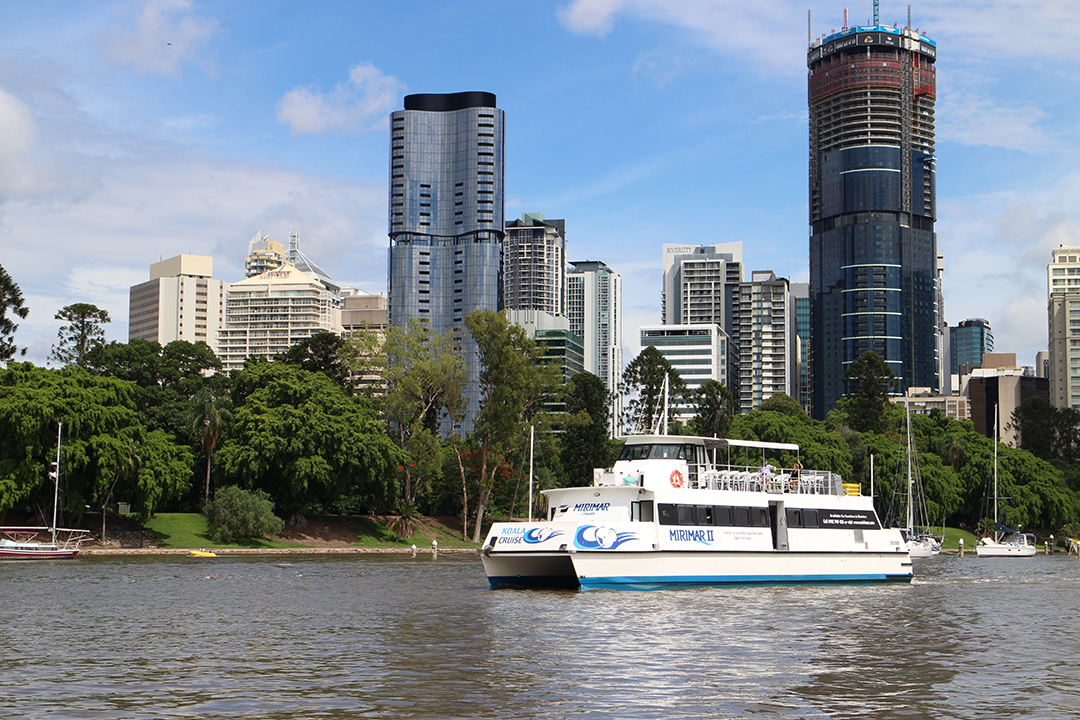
point(709, 442)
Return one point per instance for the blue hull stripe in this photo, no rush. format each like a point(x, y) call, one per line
point(690, 581)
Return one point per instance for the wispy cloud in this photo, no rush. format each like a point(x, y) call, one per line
point(358, 105)
point(159, 37)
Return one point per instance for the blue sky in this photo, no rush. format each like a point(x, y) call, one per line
point(137, 130)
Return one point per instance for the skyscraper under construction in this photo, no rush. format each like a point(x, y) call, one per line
point(872, 206)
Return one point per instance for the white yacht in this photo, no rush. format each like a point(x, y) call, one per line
point(675, 512)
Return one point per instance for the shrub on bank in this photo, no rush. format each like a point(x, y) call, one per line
point(237, 514)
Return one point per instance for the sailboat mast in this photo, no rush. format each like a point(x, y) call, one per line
point(56, 480)
point(532, 429)
point(910, 482)
point(996, 538)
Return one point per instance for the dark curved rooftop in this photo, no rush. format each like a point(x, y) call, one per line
point(448, 102)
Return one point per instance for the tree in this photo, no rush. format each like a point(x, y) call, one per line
point(645, 375)
point(323, 352)
point(512, 386)
point(238, 514)
point(11, 300)
point(869, 380)
point(209, 415)
point(423, 373)
point(783, 403)
point(84, 333)
point(715, 410)
point(305, 440)
point(585, 435)
point(102, 437)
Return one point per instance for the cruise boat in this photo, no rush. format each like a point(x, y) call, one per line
point(674, 511)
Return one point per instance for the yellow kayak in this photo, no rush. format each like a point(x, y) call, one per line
point(202, 553)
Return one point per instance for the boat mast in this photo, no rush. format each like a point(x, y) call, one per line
point(995, 473)
point(532, 428)
point(55, 475)
point(910, 493)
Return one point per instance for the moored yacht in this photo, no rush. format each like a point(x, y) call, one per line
point(674, 511)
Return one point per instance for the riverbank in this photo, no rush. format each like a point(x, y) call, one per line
point(221, 552)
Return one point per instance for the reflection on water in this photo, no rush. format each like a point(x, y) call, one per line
point(395, 636)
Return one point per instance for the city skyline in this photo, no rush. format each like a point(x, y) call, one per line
point(133, 132)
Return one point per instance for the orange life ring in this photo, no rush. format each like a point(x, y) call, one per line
point(676, 479)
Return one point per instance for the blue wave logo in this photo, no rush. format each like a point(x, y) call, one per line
point(593, 537)
point(538, 535)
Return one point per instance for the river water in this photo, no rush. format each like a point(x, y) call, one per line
point(392, 636)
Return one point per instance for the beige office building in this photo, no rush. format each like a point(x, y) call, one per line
point(180, 301)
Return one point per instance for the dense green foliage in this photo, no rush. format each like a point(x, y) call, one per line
point(161, 429)
point(238, 514)
point(105, 448)
point(305, 439)
point(11, 306)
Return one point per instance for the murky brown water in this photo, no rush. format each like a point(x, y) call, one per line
point(395, 636)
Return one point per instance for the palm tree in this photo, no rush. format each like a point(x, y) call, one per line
point(208, 417)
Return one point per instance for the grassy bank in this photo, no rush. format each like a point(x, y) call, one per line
point(189, 531)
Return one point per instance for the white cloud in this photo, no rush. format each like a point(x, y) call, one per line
point(18, 134)
point(593, 17)
point(160, 37)
point(360, 104)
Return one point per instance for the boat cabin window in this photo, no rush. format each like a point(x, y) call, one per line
point(686, 515)
point(635, 452)
point(660, 451)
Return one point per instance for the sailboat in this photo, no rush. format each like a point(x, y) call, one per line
point(1005, 542)
point(915, 531)
point(20, 543)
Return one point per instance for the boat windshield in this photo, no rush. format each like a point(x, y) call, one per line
point(656, 451)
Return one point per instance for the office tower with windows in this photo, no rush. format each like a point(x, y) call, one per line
point(698, 352)
point(181, 301)
point(534, 264)
point(873, 278)
point(446, 217)
point(801, 294)
point(968, 342)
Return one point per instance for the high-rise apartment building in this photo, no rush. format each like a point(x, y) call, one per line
point(701, 284)
point(1063, 310)
point(181, 301)
point(267, 313)
point(534, 264)
point(968, 342)
point(768, 343)
point(873, 280)
point(263, 255)
point(594, 305)
point(446, 216)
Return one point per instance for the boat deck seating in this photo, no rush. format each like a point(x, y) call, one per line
point(806, 482)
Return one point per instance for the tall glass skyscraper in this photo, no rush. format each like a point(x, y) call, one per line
point(446, 216)
point(970, 340)
point(872, 207)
